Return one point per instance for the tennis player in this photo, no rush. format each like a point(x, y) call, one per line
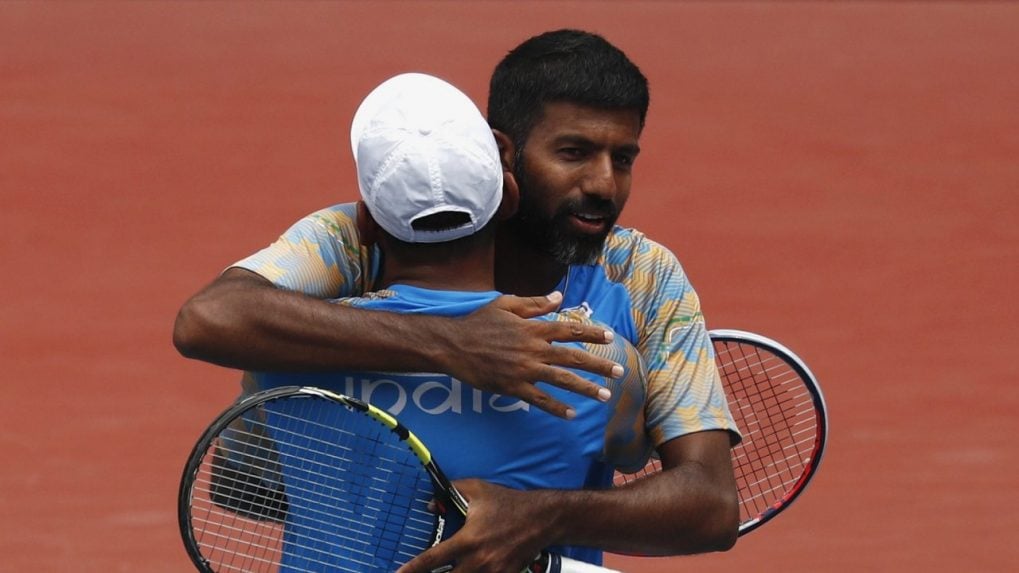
point(432, 190)
point(567, 109)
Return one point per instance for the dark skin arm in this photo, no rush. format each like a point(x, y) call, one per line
point(242, 321)
point(690, 507)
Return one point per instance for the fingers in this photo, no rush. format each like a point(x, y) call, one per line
point(573, 331)
point(566, 380)
point(535, 397)
point(562, 331)
point(509, 353)
point(495, 538)
point(577, 359)
point(433, 560)
point(529, 306)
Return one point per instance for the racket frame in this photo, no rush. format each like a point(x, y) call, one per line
point(443, 486)
point(820, 417)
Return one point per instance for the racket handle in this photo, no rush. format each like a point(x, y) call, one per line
point(551, 563)
point(558, 564)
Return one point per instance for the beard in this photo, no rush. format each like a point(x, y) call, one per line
point(552, 234)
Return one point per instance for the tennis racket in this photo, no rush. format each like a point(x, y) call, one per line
point(299, 479)
point(778, 407)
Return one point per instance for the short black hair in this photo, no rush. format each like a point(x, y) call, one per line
point(441, 221)
point(562, 66)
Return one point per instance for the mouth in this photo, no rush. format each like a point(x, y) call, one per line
point(589, 223)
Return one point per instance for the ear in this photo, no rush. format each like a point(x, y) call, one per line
point(507, 151)
point(367, 228)
point(510, 197)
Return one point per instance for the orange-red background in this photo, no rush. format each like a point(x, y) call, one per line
point(842, 177)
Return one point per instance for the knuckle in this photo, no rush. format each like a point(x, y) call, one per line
point(541, 399)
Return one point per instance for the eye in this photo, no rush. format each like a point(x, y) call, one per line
point(571, 152)
point(624, 160)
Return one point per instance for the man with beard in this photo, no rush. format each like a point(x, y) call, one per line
point(432, 190)
point(567, 109)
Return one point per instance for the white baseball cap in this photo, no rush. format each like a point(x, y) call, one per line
point(422, 147)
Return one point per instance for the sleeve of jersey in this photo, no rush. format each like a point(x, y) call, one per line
point(627, 442)
point(627, 445)
point(685, 392)
point(320, 256)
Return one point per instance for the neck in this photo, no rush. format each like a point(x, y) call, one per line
point(523, 270)
point(437, 270)
point(441, 277)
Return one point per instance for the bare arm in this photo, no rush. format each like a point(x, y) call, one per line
point(691, 507)
point(242, 321)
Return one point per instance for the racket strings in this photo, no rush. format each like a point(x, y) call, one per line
point(355, 495)
point(308, 463)
point(330, 471)
point(234, 543)
point(325, 514)
point(314, 532)
point(774, 411)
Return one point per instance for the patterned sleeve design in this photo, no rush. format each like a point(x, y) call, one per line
point(627, 445)
point(685, 392)
point(320, 256)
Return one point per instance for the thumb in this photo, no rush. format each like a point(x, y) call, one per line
point(468, 487)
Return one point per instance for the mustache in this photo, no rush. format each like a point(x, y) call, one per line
point(603, 208)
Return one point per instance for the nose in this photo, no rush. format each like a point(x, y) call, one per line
point(600, 179)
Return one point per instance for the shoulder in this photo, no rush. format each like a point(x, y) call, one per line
point(339, 219)
point(320, 255)
point(332, 234)
point(337, 223)
point(649, 271)
point(628, 250)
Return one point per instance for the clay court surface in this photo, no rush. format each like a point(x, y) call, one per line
point(843, 177)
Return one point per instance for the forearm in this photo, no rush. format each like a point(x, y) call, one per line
point(242, 321)
point(675, 512)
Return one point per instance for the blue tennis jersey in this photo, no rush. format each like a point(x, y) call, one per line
point(478, 434)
